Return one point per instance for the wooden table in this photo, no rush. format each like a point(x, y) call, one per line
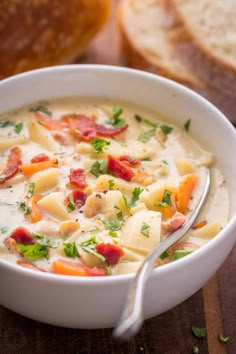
point(213, 307)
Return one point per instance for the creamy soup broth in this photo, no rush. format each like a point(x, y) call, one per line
point(89, 187)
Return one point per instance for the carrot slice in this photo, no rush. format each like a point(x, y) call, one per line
point(186, 187)
point(32, 168)
point(36, 213)
point(50, 123)
point(64, 267)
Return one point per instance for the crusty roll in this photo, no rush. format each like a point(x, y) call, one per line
point(38, 33)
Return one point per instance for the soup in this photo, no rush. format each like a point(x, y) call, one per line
point(88, 187)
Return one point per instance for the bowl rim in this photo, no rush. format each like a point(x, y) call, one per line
point(165, 268)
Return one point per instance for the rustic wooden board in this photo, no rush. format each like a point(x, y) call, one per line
point(170, 333)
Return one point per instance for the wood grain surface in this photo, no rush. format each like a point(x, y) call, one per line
point(213, 307)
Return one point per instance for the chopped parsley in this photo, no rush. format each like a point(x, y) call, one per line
point(6, 123)
point(135, 196)
point(112, 225)
point(145, 229)
point(199, 332)
point(144, 120)
point(145, 137)
point(22, 206)
point(19, 127)
point(187, 125)
point(89, 246)
point(166, 199)
point(111, 184)
point(30, 190)
point(41, 108)
point(99, 144)
point(109, 270)
point(146, 159)
point(70, 249)
point(177, 254)
point(71, 204)
point(43, 240)
point(3, 229)
point(99, 168)
point(166, 129)
point(223, 339)
point(33, 252)
point(116, 120)
point(120, 216)
point(164, 255)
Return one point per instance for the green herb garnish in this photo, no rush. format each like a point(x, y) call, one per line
point(177, 254)
point(144, 120)
point(30, 190)
point(71, 204)
point(3, 229)
point(145, 229)
point(113, 225)
point(164, 255)
point(120, 216)
point(223, 339)
point(99, 144)
point(89, 246)
point(166, 199)
point(18, 127)
point(27, 210)
point(41, 108)
point(166, 129)
point(187, 125)
point(111, 184)
point(6, 123)
point(99, 168)
point(109, 270)
point(199, 332)
point(146, 159)
point(33, 252)
point(70, 249)
point(135, 196)
point(145, 137)
point(116, 119)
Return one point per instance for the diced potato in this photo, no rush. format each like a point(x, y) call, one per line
point(142, 231)
point(45, 180)
point(7, 142)
point(154, 193)
point(84, 148)
point(208, 231)
point(184, 166)
point(94, 204)
point(132, 255)
point(54, 206)
point(137, 208)
point(47, 228)
point(68, 227)
point(119, 184)
point(41, 136)
point(89, 259)
point(128, 267)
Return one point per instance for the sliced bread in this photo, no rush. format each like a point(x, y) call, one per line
point(145, 42)
point(204, 32)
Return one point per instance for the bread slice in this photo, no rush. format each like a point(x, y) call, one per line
point(204, 32)
point(145, 43)
point(43, 32)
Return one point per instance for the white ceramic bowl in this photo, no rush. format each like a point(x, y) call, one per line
point(97, 302)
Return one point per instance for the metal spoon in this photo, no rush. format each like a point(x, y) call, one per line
point(132, 315)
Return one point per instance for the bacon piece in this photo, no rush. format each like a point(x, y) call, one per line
point(29, 266)
point(50, 123)
point(13, 163)
point(119, 169)
point(79, 197)
point(81, 126)
point(111, 252)
point(130, 161)
point(102, 130)
point(40, 158)
point(60, 138)
point(22, 235)
point(175, 222)
point(77, 178)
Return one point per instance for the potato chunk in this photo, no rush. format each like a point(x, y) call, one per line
point(41, 136)
point(54, 206)
point(45, 180)
point(7, 142)
point(208, 231)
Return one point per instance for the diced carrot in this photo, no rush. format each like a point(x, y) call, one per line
point(186, 187)
point(32, 168)
point(199, 224)
point(36, 213)
point(63, 267)
point(50, 123)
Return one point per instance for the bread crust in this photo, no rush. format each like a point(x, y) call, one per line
point(38, 33)
point(138, 59)
point(217, 72)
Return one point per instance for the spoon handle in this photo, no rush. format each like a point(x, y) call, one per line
point(132, 315)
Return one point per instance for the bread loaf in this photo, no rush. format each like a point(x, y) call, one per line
point(37, 33)
point(204, 32)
